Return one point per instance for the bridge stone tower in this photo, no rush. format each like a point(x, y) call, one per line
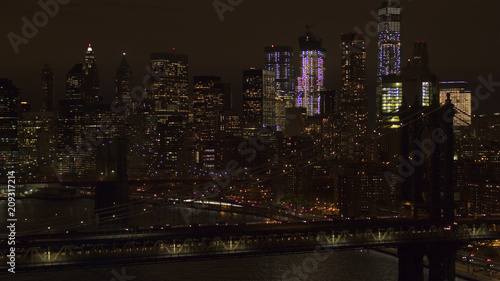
point(427, 190)
point(112, 185)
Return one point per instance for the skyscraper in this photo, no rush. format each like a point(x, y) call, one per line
point(389, 49)
point(279, 59)
point(312, 69)
point(47, 103)
point(389, 39)
point(208, 104)
point(391, 101)
point(259, 99)
point(37, 144)
point(460, 97)
point(328, 102)
point(90, 77)
point(171, 104)
point(75, 83)
point(123, 86)
point(9, 116)
point(70, 126)
point(419, 84)
point(353, 107)
point(416, 86)
point(123, 80)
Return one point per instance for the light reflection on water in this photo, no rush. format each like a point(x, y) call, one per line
point(349, 265)
point(340, 266)
point(39, 214)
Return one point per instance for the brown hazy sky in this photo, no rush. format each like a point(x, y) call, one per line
point(463, 37)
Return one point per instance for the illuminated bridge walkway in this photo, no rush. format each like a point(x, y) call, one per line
point(75, 249)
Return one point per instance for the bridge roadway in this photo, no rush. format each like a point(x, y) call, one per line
point(135, 246)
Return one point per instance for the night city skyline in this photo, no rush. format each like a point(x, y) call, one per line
point(456, 38)
point(268, 140)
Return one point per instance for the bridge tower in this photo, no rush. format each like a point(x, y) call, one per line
point(112, 185)
point(427, 189)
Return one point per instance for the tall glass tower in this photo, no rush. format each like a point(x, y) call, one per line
point(171, 104)
point(123, 80)
point(353, 106)
point(461, 97)
point(259, 100)
point(389, 52)
point(48, 100)
point(312, 69)
point(208, 104)
point(279, 59)
point(91, 77)
point(9, 117)
point(389, 39)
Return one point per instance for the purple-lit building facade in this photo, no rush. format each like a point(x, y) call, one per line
point(312, 70)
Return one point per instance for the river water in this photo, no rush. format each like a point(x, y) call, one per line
point(348, 265)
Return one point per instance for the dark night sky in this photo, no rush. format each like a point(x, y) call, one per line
point(463, 37)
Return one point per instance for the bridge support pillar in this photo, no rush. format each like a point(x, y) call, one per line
point(411, 266)
point(442, 259)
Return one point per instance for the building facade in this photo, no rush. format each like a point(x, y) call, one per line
point(312, 73)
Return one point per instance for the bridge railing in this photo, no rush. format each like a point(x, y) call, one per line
point(147, 247)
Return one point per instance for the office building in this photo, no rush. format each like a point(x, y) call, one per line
point(312, 71)
point(170, 97)
point(9, 113)
point(460, 97)
point(48, 98)
point(279, 59)
point(353, 101)
point(389, 50)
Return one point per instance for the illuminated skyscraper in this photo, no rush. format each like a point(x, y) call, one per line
point(208, 104)
point(90, 77)
point(74, 83)
point(9, 117)
point(420, 85)
point(389, 48)
point(353, 107)
point(123, 80)
point(389, 39)
point(123, 86)
point(47, 103)
point(37, 145)
point(259, 99)
point(312, 68)
point(279, 59)
point(328, 102)
point(171, 104)
point(70, 126)
point(416, 86)
point(460, 97)
point(392, 99)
